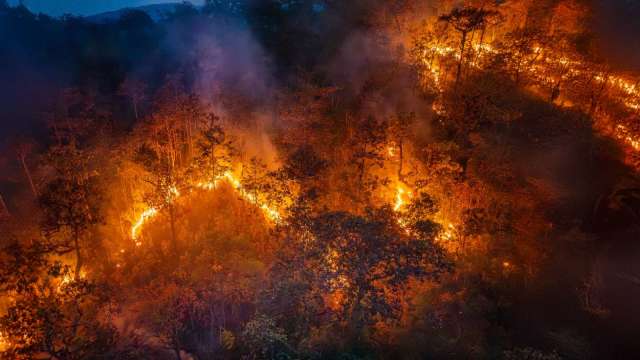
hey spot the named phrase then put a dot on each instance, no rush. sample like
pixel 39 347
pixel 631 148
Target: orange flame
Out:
pixel 270 212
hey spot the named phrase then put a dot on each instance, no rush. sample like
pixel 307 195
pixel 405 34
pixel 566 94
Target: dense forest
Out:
pixel 300 179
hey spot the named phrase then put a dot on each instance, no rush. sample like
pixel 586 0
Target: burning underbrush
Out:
pixel 343 197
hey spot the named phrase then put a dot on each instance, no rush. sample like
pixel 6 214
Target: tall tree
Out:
pixel 70 202
pixel 361 260
pixel 23 149
pixel 466 20
pixel 215 151
pixel 135 90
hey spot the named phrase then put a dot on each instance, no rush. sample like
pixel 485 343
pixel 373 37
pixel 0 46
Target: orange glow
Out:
pixel 448 233
pixel 623 133
pixel 626 91
pixel 391 151
pixel 401 198
pixel 4 342
pixel 270 212
pixel 143 218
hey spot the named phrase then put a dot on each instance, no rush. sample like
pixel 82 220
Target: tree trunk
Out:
pixel 135 109
pixel 76 243
pixel 401 165
pixel 4 210
pixel 463 42
pixel 596 95
pixel 174 237
pixel 28 175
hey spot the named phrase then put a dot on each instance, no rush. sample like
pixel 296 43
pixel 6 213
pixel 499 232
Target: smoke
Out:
pixel 231 74
pixel 370 67
pixel 617 24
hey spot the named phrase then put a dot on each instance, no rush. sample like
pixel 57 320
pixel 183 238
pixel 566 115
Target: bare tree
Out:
pixel 135 90
pixel 23 149
pixel 4 210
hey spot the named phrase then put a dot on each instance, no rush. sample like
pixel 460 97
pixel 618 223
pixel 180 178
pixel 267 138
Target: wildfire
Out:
pixel 623 133
pixel 4 342
pixel 270 212
pixel 143 218
pixel 401 195
pixel 628 91
pixel 448 233
pixel 67 279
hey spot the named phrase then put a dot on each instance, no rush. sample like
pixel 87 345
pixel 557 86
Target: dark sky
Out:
pixel 87 7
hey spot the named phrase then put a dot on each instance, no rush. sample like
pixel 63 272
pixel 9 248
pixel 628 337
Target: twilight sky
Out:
pixel 87 7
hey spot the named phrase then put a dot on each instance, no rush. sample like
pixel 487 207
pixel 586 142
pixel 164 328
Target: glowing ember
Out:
pixel 448 233
pixel 623 133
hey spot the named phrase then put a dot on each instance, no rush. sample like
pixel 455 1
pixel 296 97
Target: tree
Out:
pixel 224 7
pixel 215 152
pixel 135 90
pixel 254 178
pixel 399 132
pixel 49 315
pixel 521 49
pixel 4 210
pixel 559 66
pixel 368 148
pixel 466 20
pixel 70 202
pixel 360 260
pixel 304 166
pixel 169 313
pixel 166 182
pixel 23 149
pixel 263 339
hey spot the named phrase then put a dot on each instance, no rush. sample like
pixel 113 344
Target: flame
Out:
pixel 67 279
pixel 399 199
pixel 402 195
pixel 391 151
pixel 628 91
pixel 624 134
pixel 143 218
pixel 270 212
pixel 448 233
pixel 5 344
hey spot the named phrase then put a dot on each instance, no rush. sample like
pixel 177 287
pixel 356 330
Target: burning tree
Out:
pixel 466 20
pixel 216 151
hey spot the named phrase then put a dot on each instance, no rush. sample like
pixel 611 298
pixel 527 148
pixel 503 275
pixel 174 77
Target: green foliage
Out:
pixel 263 339
pixel 361 259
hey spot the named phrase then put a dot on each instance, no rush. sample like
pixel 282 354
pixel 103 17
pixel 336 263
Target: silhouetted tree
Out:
pixel 70 202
